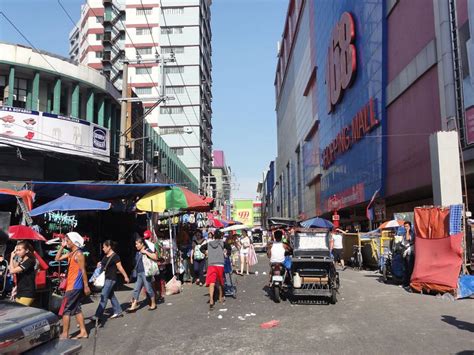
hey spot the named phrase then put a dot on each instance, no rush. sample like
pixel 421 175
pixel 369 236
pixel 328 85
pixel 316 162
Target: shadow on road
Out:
pixel 460 324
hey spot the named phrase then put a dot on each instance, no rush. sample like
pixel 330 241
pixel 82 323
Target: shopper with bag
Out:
pixel 107 280
pixel 198 259
pixel 145 269
pixel 244 246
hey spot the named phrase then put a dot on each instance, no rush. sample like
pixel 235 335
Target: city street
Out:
pixel 370 317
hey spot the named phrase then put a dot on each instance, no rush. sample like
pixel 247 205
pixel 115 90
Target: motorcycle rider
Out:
pixel 278 250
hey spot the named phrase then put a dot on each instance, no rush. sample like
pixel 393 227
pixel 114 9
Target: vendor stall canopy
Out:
pixel 92 190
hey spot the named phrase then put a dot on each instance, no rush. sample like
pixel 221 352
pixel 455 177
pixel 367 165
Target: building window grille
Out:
pixel 170 90
pixel 171 30
pixel 99 36
pixel 168 50
pixel 174 70
pixel 171 130
pixel 143 31
pixel 173 10
pixel 99 54
pixel 143 90
pixel 144 51
pixel 144 70
pixel 171 110
pixel 99 19
pixel 144 10
pixel 178 151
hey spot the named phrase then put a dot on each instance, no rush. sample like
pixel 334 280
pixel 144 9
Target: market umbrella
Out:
pixel 317 222
pixel 24 233
pixel 174 198
pixel 394 223
pixel 235 227
pixel 70 203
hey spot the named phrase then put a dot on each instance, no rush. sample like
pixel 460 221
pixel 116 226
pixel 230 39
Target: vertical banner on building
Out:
pixel 469 125
pixel 243 212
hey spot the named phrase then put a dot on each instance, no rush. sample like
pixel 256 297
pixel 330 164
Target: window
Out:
pixel 99 54
pixel 143 90
pixel 143 31
pixel 3 81
pixel 143 50
pixel 144 11
pixel 171 30
pixel 174 70
pixel 171 130
pixel 99 36
pixel 171 110
pixel 178 151
pixel 144 70
pixel 168 50
pixel 170 90
pixel 173 10
pixel 99 19
pixel 19 92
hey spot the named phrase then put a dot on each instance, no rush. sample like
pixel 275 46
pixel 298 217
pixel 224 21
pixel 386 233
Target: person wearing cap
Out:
pixel 76 283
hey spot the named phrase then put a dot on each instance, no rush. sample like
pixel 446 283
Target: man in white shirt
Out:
pixel 337 248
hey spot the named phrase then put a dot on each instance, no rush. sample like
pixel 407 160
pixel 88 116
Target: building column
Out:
pixel 75 101
pixel 107 113
pixel 11 86
pixel 49 104
pixel 35 92
pixel 57 96
pixel 90 106
pixel 101 111
pixel 113 128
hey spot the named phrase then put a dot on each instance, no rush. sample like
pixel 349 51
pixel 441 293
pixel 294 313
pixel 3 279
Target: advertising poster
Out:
pixel 243 212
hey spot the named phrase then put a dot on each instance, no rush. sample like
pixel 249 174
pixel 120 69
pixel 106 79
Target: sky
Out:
pixel 244 44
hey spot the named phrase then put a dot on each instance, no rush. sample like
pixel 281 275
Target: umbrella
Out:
pixel 394 223
pixel 70 203
pixel 174 198
pixel 317 222
pixel 24 233
pixel 235 227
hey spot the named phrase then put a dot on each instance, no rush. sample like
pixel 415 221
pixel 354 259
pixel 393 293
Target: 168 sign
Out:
pixel 341 61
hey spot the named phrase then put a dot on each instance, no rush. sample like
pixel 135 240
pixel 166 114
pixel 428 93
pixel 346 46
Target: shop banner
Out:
pixel 243 212
pixel 349 197
pixel 469 125
pixel 50 132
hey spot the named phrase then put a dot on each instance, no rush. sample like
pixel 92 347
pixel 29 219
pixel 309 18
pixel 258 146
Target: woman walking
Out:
pixel 244 244
pixel 110 265
pixel 198 259
pixel 142 279
pixel 24 268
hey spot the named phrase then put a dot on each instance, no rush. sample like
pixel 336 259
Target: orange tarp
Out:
pixel 431 222
pixel 26 195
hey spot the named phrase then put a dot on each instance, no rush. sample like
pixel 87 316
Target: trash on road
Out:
pixel 169 304
pixel 256 273
pixel 264 273
pixel 223 310
pixel 219 316
pixel 241 318
pixel 252 314
pixel 271 324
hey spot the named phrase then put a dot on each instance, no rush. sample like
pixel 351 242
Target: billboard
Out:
pixel 243 212
pixel 50 132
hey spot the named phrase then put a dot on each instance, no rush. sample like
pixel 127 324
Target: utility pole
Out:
pixel 123 123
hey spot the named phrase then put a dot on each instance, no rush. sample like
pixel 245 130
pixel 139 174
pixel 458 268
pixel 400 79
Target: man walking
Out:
pixel 215 269
pixel 338 248
pixel 76 286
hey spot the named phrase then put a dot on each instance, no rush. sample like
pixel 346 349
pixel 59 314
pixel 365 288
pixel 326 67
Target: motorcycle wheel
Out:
pixel 333 299
pixel 276 294
pixel 384 274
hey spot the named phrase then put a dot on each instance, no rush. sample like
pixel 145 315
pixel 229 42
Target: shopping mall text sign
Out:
pixel 341 60
pixel 362 123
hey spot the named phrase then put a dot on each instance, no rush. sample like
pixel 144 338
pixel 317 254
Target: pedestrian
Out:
pixel 409 253
pixel 244 246
pixel 76 283
pixel 337 248
pixel 215 270
pixel 23 266
pixel 110 264
pixel 198 259
pixel 142 279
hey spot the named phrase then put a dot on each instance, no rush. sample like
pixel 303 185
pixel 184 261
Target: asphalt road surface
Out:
pixel 369 318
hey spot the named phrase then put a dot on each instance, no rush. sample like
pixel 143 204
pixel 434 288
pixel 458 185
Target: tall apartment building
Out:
pixel 110 31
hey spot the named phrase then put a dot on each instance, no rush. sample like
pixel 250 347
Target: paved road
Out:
pixel 370 318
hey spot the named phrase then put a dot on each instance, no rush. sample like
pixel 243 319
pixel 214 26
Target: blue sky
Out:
pixel 245 33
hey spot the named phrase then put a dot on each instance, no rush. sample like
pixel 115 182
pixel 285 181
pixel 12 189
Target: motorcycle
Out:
pixel 278 280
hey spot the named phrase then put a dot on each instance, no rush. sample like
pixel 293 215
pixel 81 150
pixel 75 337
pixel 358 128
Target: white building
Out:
pixel 113 30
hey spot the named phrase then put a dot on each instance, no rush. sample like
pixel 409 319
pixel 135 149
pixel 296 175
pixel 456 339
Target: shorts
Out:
pixel 71 304
pixel 215 274
pixel 337 253
pixel 25 301
pixel 244 252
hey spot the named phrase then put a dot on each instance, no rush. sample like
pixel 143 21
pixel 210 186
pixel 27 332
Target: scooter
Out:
pixel 278 280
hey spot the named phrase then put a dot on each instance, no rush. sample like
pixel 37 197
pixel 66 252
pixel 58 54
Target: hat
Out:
pixel 147 234
pixel 76 239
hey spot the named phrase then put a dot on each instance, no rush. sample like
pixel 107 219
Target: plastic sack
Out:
pixel 253 260
pixel 465 286
pixel 287 263
pixel 150 266
pixel 173 287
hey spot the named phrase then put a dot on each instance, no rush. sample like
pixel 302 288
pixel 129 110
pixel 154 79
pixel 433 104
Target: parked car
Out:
pixel 258 239
pixel 27 328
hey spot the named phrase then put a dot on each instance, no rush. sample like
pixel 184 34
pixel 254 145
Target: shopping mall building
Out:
pixel 360 86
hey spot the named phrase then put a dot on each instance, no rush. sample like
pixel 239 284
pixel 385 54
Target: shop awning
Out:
pixel 92 190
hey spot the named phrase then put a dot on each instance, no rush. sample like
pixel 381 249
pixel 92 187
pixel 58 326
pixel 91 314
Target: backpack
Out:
pixel 198 254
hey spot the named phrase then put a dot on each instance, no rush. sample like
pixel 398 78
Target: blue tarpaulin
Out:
pixel 96 191
pixel 466 286
pixel 70 203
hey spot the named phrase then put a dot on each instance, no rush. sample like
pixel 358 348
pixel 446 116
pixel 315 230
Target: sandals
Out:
pixel 131 310
pixel 152 308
